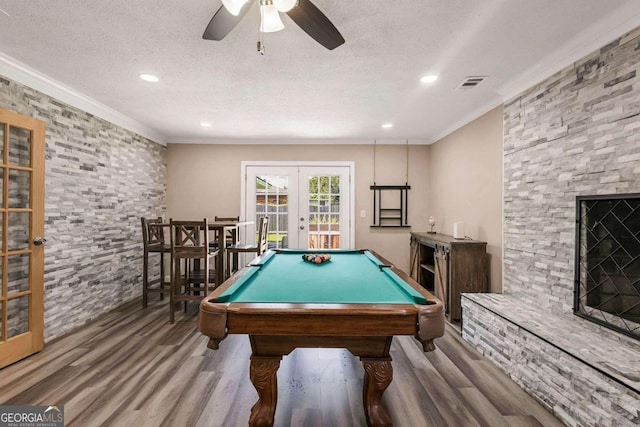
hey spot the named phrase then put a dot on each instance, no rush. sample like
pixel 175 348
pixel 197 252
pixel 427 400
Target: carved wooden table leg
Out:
pixel 262 373
pixel 378 374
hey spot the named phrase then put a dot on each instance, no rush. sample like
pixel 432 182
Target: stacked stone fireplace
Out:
pixel 575 134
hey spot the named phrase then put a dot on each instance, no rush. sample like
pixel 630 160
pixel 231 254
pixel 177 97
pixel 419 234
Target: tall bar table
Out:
pixel 221 228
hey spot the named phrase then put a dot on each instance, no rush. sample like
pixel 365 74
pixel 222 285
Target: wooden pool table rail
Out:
pixel 217 319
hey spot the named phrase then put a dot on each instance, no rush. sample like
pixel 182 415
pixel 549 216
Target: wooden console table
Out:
pixel 448 267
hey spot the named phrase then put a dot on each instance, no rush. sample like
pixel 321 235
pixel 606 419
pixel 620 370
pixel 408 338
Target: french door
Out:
pixel 21 231
pixel 309 205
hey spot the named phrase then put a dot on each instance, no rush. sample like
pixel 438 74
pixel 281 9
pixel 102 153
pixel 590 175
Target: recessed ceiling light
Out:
pixel 387 126
pixel 149 78
pixel 205 124
pixel 429 78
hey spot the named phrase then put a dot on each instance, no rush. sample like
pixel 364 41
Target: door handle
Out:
pixel 39 241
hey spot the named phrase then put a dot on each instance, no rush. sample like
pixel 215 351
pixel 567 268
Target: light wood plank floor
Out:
pixel 131 368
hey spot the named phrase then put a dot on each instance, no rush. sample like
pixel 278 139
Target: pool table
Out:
pixel 356 301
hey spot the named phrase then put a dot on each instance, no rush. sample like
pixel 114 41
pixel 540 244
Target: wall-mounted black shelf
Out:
pixel 390 216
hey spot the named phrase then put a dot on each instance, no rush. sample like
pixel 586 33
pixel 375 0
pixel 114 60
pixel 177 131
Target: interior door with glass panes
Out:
pixel 21 231
pixel 307 206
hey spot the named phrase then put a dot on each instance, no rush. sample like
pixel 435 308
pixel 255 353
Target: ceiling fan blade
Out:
pixel 316 24
pixel 223 22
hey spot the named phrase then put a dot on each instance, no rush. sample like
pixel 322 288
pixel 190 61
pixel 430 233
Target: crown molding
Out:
pixel 621 21
pixel 298 141
pixel 23 74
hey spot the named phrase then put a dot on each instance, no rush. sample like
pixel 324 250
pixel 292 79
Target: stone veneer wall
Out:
pixel 575 133
pixel 99 180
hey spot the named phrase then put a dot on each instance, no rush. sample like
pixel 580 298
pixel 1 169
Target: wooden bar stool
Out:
pixel 192 277
pixel 261 246
pixel 153 241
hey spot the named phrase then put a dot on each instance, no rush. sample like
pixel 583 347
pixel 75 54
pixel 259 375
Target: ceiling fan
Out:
pixel 302 12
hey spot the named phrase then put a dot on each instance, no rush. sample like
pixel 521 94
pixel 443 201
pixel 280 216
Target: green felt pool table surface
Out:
pixel 349 277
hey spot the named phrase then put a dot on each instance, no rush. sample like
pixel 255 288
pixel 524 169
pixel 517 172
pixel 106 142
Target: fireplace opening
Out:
pixel 607 265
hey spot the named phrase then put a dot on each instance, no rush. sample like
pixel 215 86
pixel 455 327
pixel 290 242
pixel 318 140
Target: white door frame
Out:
pixel 351 165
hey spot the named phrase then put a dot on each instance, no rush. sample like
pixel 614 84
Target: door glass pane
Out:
pixel 19 146
pixel 18 232
pixel 19 188
pixel 2 132
pixel 1 278
pixel 17 316
pixel 324 208
pixel 1 320
pixel 1 185
pixel 17 273
pixel 272 199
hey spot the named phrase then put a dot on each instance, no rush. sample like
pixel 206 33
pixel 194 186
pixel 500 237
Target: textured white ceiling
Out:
pixel 299 90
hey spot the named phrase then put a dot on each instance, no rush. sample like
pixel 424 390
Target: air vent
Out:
pixel 471 82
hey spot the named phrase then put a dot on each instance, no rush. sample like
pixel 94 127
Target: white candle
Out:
pixel 458 230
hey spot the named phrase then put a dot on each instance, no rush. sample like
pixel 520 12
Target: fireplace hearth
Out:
pixel 607 266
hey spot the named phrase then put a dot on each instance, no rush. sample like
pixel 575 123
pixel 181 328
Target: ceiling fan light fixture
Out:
pixel 233 6
pixel 269 18
pixel 285 6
